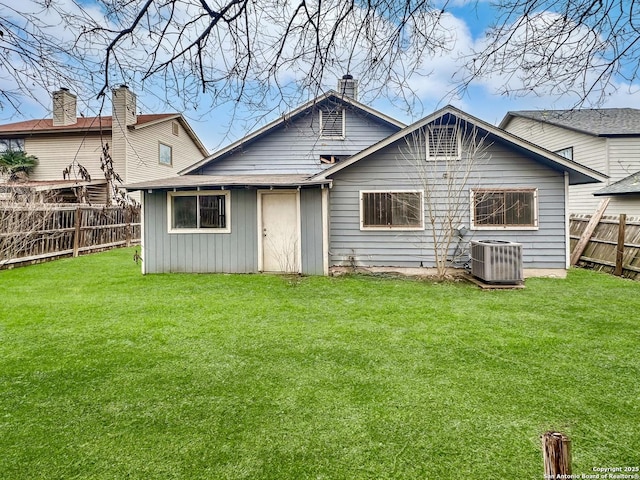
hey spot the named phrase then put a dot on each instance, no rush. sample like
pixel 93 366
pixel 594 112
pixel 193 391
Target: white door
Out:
pixel 279 230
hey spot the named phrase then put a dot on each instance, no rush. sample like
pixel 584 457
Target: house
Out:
pixel 607 140
pixel 142 146
pixel 336 185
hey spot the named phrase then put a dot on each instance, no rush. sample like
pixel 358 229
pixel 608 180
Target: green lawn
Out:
pixel 106 374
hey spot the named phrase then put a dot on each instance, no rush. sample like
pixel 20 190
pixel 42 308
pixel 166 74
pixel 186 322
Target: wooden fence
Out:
pixel 613 246
pixel 41 232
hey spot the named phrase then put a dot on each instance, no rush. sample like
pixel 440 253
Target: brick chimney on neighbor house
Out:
pixel 348 87
pixel 64 108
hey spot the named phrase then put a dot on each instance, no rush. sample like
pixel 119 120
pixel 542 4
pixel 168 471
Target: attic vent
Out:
pixel 443 142
pixel 332 123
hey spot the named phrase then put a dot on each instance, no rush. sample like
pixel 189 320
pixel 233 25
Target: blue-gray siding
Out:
pixel 235 252
pixel 496 166
pixel 311 231
pixel 296 146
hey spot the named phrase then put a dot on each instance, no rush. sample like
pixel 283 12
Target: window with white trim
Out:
pixel 165 154
pixel 515 209
pixel 443 142
pixel 332 123
pixel 398 210
pixel 199 212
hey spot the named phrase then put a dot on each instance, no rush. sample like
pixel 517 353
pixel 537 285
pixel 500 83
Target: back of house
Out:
pixel 336 185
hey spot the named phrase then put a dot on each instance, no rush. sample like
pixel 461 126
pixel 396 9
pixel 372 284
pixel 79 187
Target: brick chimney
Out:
pixel 348 87
pixel 64 108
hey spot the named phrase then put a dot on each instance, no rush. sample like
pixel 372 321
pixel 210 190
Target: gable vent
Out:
pixel 332 123
pixel 443 142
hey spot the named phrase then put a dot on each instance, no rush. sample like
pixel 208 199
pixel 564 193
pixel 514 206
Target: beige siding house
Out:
pixel 606 140
pixel 142 146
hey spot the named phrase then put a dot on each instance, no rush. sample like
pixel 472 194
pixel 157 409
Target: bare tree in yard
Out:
pixel 445 159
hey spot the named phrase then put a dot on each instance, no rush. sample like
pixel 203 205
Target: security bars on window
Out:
pixel 198 212
pixel 391 209
pixel 505 208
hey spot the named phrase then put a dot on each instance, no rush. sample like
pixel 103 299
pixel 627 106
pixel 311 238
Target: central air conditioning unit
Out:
pixel 497 261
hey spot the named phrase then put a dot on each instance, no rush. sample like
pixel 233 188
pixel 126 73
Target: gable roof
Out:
pixel 261 132
pixel 601 122
pixel 94 124
pixel 627 186
pixel 578 174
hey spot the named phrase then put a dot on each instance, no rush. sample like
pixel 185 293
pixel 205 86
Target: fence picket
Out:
pixel 611 248
pixel 68 231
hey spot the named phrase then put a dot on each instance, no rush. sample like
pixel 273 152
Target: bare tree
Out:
pixel 584 49
pixel 233 51
pixel 256 53
pixel 33 56
pixel 445 160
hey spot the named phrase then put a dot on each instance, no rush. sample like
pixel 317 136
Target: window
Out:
pixel 332 123
pixel 165 155
pixel 566 153
pixel 401 210
pixel 201 212
pixel 443 142
pixel 11 144
pixel 502 208
pixel 175 128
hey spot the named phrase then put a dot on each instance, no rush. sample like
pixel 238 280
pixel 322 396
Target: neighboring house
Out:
pixel 142 146
pixel 606 140
pixel 275 202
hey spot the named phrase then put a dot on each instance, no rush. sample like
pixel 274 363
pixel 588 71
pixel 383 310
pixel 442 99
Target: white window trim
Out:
pixel 344 126
pixel 160 145
pixel 391 227
pixel 192 193
pixel 458 141
pixel 504 227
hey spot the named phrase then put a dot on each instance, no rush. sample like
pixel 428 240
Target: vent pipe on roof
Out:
pixel 65 106
pixel 348 87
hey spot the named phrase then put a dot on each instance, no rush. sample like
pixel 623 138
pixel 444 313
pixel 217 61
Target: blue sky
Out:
pixel 467 23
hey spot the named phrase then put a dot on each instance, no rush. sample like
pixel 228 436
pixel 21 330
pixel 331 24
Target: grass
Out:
pixel 108 374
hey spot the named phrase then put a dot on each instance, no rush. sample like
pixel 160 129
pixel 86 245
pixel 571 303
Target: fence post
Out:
pixel 620 250
pixel 556 453
pixel 76 238
pixel 127 228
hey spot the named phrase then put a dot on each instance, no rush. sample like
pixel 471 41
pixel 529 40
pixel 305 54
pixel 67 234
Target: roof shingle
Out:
pixel 600 122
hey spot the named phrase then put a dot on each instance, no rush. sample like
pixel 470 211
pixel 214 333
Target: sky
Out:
pixel 466 23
